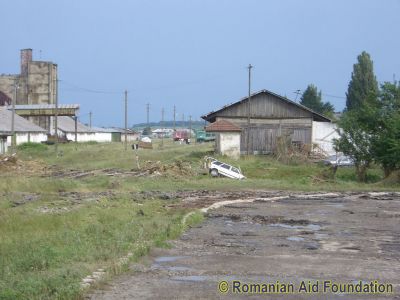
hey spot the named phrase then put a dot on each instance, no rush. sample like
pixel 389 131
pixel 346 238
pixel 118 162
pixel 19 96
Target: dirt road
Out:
pixel 347 238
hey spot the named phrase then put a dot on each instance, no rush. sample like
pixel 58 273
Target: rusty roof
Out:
pixel 223 126
pixel 4 99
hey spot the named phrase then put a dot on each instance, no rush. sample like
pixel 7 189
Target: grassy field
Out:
pixel 56 231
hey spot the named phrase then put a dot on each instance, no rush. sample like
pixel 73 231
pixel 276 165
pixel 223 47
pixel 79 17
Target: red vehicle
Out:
pixel 181 135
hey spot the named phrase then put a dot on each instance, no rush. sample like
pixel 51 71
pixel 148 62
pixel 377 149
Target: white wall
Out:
pixel 28 137
pixel 228 143
pixel 3 146
pixel 323 134
pixel 102 137
pixel 82 136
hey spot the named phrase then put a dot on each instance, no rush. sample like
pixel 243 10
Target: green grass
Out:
pixel 45 255
pixel 48 245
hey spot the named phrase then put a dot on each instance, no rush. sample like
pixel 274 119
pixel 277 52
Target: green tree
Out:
pixel 147 131
pixel 312 99
pixel 363 82
pixel 355 140
pixel 385 128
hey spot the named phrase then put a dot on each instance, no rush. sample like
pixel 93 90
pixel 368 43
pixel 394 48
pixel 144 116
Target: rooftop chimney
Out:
pixel 26 58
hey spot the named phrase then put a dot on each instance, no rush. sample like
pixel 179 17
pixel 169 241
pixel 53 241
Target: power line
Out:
pixel 87 90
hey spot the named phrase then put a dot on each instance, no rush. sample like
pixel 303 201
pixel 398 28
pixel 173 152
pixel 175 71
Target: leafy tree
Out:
pixel 312 99
pixel 147 131
pixel 363 82
pixel 355 140
pixel 385 128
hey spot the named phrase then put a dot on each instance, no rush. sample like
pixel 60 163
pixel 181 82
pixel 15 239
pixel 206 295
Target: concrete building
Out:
pixel 271 116
pixel 227 140
pixel 36 84
pixel 66 130
pixel 25 131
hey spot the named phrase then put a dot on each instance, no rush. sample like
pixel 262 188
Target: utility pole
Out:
pixel 148 112
pixel 76 129
pixel 249 111
pixel 174 116
pixel 13 137
pixel 126 120
pixel 190 127
pixel 90 119
pixel 297 92
pixel 162 127
pixel 56 117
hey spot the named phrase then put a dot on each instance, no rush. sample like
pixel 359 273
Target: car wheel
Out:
pixel 214 172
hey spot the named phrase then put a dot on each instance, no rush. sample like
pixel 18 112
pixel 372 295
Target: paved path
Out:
pixel 344 238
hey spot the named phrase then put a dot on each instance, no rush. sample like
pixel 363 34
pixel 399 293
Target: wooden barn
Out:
pixel 271 116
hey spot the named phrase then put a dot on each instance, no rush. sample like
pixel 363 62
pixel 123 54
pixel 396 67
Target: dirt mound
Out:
pixel 177 168
pixel 11 164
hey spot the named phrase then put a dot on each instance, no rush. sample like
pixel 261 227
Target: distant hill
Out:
pixel 170 124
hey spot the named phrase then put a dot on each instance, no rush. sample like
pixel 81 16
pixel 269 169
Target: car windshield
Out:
pixel 218 163
pixel 235 170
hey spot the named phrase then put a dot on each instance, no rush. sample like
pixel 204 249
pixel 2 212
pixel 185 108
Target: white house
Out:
pixel 227 140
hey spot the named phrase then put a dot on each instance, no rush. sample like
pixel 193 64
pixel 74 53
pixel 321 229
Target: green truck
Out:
pixel 203 136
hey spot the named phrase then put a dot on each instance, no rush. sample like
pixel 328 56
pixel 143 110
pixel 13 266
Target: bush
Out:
pixel 32 147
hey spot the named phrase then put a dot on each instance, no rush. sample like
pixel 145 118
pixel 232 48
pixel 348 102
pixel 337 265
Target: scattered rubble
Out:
pixel 150 169
pixel 11 163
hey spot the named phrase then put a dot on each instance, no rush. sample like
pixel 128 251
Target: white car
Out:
pixel 218 168
pixel 339 160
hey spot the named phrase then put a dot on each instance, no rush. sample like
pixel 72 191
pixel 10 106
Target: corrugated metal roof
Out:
pixel 67 124
pixel 223 126
pixel 44 106
pixel 318 116
pixel 20 124
pixel 101 129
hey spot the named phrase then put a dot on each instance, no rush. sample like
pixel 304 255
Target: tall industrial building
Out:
pixel 37 84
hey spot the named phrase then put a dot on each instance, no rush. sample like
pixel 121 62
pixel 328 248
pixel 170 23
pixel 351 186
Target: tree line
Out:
pixel 369 128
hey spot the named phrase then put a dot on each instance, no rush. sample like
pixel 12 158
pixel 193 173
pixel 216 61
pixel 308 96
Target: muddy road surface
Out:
pixel 298 238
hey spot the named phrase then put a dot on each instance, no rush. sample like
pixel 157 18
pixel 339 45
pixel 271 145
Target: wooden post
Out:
pixel 56 116
pixel 14 100
pixel 249 111
pixel 76 129
pixel 126 120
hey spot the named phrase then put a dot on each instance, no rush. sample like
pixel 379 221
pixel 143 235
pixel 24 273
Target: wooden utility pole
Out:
pixel 76 128
pixel 162 127
pixel 174 116
pixel 249 111
pixel 126 120
pixel 148 113
pixel 190 127
pixel 56 117
pixel 90 119
pixel 13 137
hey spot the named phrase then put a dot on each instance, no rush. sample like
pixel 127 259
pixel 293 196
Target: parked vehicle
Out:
pixel 339 160
pixel 203 136
pixel 217 168
pixel 181 135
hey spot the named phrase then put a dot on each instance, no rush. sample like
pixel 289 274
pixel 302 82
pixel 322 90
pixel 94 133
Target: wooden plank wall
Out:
pixel 265 106
pixel 263 139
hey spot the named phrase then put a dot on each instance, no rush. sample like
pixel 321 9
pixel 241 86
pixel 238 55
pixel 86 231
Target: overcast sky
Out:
pixel 194 54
